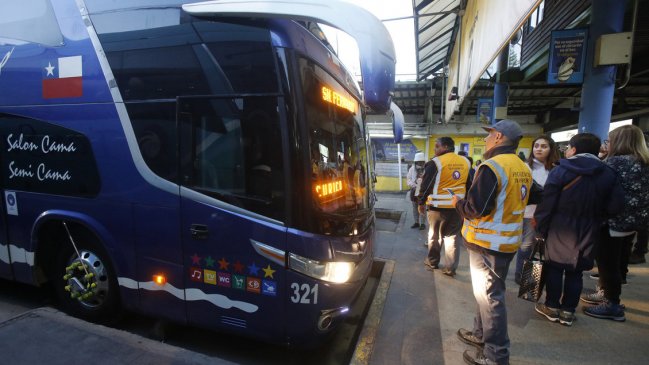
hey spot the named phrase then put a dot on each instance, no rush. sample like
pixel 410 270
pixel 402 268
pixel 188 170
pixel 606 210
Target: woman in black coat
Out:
pixel 578 197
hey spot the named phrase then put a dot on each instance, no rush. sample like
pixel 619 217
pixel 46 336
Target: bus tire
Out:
pixel 93 297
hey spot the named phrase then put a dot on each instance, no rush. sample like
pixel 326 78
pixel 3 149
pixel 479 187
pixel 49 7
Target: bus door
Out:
pixel 8 204
pixel 232 205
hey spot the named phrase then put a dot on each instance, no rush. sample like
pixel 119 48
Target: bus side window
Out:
pixel 235 147
pixel 155 131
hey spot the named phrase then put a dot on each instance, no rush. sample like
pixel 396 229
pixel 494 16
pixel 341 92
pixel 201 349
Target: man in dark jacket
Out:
pixel 579 195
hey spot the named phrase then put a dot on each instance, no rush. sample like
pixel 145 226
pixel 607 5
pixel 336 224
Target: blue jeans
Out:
pixel 488 274
pixel 525 249
pixel 562 287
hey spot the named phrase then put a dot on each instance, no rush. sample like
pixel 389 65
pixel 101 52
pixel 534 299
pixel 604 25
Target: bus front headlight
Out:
pixel 333 271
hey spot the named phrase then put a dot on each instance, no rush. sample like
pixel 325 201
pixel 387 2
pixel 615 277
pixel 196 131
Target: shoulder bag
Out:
pixel 532 279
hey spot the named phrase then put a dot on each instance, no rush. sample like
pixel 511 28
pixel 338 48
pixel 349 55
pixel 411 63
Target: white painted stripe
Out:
pixel 191 294
pixel 70 67
pixel 17 254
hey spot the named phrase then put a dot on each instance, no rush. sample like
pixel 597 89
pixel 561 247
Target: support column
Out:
pixel 501 89
pixel 597 92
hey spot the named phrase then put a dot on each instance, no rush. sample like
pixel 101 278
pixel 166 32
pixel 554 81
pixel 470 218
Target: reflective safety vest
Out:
pixel 502 229
pixel 452 173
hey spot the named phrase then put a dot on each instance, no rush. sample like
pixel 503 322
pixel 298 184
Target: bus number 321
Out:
pixel 302 293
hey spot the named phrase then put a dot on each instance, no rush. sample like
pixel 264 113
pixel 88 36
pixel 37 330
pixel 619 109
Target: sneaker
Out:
pixel 566 318
pixel 448 272
pixel 594 298
pixel 551 314
pixel 416 225
pixel 635 259
pixel 422 227
pixel 606 310
pixel 478 359
pixel 429 264
pixel 594 276
pixel 468 338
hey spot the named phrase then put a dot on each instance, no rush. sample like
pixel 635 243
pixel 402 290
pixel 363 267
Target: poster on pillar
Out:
pixel 485 110
pixel 567 56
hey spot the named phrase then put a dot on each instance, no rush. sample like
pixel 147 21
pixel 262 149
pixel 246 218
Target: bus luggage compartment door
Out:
pixel 235 271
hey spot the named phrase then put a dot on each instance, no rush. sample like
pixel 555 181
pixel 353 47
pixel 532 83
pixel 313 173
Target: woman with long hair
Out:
pixel 628 156
pixel 542 159
pixel 578 196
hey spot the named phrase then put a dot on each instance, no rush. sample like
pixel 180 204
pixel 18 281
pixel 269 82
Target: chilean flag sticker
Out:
pixel 63 78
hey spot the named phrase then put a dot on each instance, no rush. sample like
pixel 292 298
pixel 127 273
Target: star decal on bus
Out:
pixel 253 269
pixel 196 260
pixel 209 261
pixel 238 267
pixel 268 272
pixel 223 264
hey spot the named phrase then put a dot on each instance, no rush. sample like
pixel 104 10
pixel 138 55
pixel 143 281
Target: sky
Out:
pixel 402 32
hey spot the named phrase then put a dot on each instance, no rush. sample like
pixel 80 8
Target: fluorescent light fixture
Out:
pixel 565 136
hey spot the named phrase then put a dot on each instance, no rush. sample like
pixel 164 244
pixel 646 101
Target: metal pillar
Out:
pixel 399 163
pixel 501 89
pixel 599 82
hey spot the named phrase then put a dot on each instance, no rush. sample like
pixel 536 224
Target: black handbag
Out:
pixel 532 279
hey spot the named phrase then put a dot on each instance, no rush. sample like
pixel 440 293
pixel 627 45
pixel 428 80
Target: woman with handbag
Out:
pixel 542 159
pixel 579 194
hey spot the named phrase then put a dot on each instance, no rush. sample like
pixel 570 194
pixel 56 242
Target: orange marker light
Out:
pixel 159 279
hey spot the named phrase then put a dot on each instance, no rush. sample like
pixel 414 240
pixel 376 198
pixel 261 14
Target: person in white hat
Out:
pixel 413 179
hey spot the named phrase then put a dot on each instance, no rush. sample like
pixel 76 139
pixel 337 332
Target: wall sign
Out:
pixel 567 56
pixel 386 150
pixel 485 110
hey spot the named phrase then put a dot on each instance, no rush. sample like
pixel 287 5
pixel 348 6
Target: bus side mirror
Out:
pixel 397 122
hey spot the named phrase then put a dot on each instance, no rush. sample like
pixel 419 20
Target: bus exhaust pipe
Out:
pixel 327 317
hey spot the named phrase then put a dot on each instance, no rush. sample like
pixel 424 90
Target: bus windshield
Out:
pixel 338 151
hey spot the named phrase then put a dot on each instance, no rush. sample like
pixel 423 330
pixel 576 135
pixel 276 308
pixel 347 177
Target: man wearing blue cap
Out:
pixel 493 225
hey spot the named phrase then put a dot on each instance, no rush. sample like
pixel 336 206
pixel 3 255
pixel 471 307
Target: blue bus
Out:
pixel 203 163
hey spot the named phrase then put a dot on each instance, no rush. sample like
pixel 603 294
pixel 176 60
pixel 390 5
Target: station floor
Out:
pixel 424 309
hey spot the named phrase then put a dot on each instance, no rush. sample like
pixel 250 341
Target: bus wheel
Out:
pixel 86 285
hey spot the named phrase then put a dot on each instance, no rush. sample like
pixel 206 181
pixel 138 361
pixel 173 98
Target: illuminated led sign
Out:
pixel 336 99
pixel 329 190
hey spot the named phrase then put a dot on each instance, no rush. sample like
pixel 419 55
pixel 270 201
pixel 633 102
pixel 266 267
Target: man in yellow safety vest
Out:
pixel 447 174
pixel 493 224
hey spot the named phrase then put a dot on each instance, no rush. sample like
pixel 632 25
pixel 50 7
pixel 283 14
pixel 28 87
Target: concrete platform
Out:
pixel 424 309
pixel 47 336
